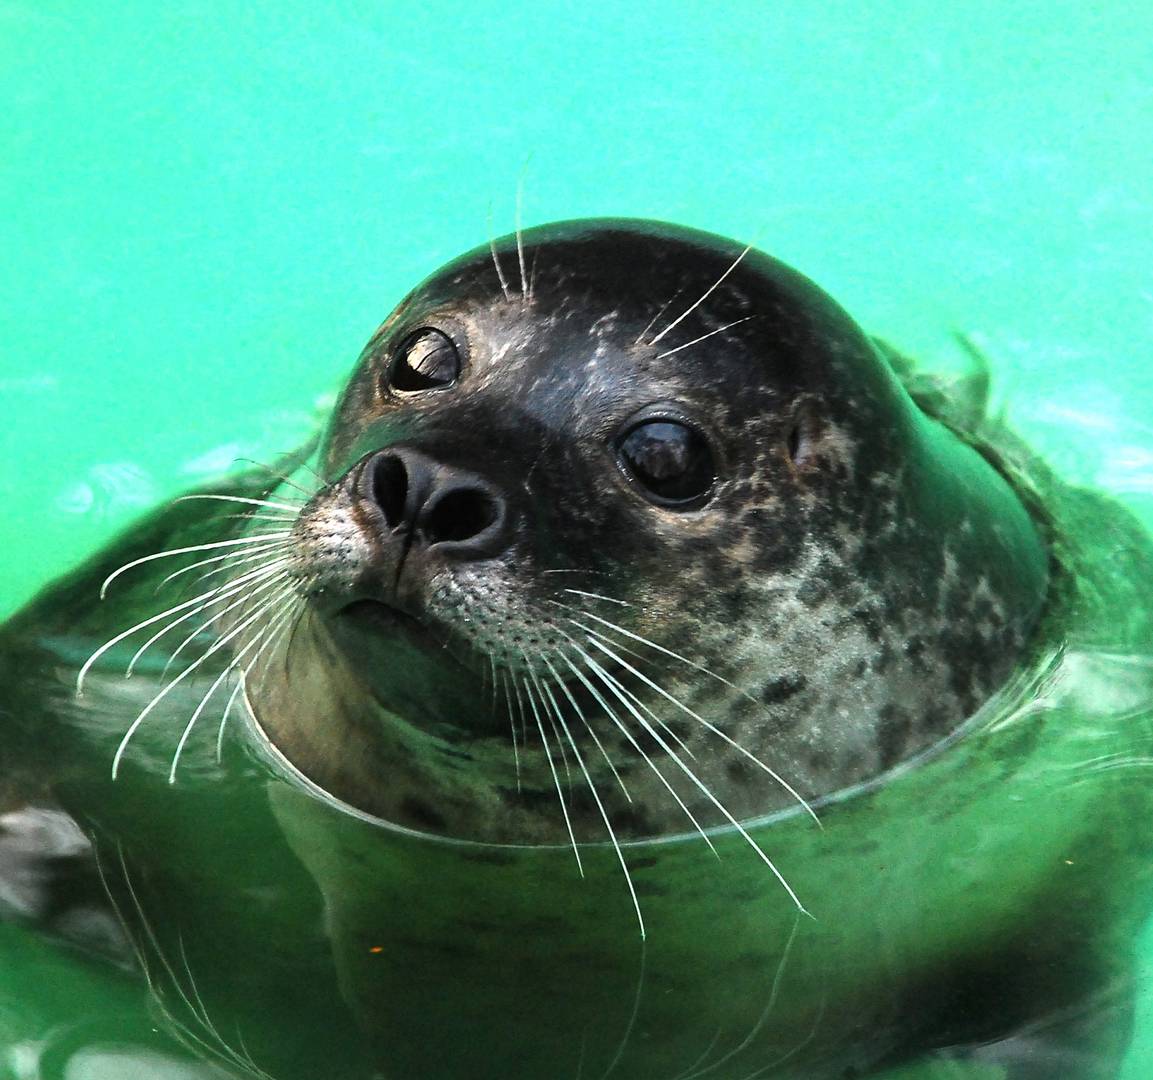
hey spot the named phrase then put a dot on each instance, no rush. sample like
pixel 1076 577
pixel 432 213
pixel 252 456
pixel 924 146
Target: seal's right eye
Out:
pixel 670 461
pixel 426 360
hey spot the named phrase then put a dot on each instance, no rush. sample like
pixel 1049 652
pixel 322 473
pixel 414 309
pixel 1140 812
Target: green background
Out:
pixel 205 208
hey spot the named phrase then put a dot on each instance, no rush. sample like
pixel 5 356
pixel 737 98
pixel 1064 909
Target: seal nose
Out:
pixel 453 512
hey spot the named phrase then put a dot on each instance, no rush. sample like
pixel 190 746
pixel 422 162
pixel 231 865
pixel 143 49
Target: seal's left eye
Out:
pixel 426 360
pixel 670 461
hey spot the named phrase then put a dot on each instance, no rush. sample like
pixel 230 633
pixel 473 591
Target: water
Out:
pixel 207 210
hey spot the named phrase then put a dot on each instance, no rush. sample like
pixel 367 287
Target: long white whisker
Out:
pixel 256 582
pixel 274 637
pixel 516 683
pixel 230 588
pixel 660 311
pixel 292 508
pixel 552 768
pixel 645 641
pixel 228 561
pixel 218 592
pixel 225 715
pixel 718 330
pixel 505 679
pixel 280 477
pixel 255 515
pixel 774 992
pixel 595 641
pixel 707 293
pixel 555 730
pixel 588 727
pixel 520 239
pixel 170 686
pixel 258 538
pixel 230 669
pixel 604 676
pixel 697 782
pixel 495 261
pixel 656 719
pixel 600 806
pixel 598 596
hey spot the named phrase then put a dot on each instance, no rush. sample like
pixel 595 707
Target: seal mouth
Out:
pixel 384 621
pixel 381 614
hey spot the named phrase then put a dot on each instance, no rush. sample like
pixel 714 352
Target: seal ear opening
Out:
pixel 800 434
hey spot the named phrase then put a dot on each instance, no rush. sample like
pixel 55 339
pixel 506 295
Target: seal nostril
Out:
pixel 460 515
pixel 390 489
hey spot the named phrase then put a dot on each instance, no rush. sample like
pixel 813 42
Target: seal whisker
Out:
pixel 711 333
pixel 214 594
pixel 655 717
pixel 266 576
pixel 276 474
pixel 604 676
pixel 506 679
pixel 518 685
pixel 777 1062
pixel 588 727
pixel 225 714
pixel 496 261
pixel 520 240
pixel 253 515
pixel 641 704
pixel 651 644
pixel 550 714
pixel 703 787
pixel 219 1050
pixel 233 667
pixel 291 619
pixel 612 654
pixel 552 769
pixel 598 596
pixel 697 1071
pixel 258 538
pixel 173 683
pixel 702 1057
pixel 291 508
pixel 227 589
pixel 660 311
pixel 228 561
pixel 532 275
pixel 600 806
pixel 704 296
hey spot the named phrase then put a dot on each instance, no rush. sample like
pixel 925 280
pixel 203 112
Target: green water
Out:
pixel 204 211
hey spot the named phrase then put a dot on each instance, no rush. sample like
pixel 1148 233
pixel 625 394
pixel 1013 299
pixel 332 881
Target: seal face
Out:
pixel 625 528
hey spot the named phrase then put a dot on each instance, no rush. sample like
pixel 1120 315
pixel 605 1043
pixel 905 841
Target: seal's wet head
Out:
pixel 624 527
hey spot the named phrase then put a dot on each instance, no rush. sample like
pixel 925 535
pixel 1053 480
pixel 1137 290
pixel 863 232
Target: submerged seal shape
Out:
pixel 633 630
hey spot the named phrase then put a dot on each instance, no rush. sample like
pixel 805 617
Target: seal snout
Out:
pixel 446 510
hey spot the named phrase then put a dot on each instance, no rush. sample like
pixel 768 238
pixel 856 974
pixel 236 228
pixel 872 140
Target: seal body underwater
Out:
pixel 648 675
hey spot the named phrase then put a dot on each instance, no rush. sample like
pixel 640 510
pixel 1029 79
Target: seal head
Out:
pixel 624 526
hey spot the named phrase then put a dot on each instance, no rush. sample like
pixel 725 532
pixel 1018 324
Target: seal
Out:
pixel 624 549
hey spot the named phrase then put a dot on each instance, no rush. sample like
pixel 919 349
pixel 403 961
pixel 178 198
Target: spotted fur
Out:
pixel 857 583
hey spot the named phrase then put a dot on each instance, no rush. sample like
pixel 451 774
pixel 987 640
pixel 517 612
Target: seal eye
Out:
pixel 669 460
pixel 426 360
